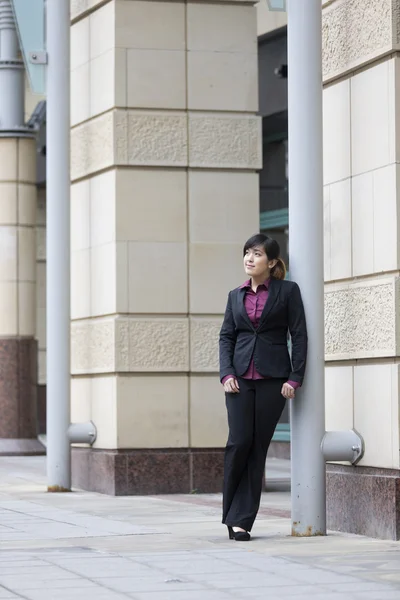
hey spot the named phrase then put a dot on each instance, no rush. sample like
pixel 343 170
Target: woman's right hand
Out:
pixel 231 386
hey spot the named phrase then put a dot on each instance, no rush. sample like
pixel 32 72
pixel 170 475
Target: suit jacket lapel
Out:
pixel 243 311
pixel 273 292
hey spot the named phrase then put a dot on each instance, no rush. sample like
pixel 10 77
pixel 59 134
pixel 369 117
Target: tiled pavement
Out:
pixel 82 545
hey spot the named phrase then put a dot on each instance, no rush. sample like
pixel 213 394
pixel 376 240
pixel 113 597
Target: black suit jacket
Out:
pixel 239 341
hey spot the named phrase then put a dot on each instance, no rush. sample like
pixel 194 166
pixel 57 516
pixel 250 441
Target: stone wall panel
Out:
pixel 121 344
pixel 360 320
pixel 225 141
pixel 355 32
pixel 204 335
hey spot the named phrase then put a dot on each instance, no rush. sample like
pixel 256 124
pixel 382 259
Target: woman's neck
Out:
pixel 256 281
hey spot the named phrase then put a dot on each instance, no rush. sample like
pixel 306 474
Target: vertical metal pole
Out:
pixel 58 246
pixel 12 83
pixel 306 259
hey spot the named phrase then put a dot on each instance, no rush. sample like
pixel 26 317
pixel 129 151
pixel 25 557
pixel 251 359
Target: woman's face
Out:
pixel 256 263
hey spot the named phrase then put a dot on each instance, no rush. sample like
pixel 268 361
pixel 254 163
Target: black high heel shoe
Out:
pixel 239 536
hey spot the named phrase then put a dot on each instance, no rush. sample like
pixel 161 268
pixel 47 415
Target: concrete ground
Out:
pixel 84 545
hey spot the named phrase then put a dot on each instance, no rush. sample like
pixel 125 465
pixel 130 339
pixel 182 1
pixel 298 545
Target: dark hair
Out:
pixel 271 249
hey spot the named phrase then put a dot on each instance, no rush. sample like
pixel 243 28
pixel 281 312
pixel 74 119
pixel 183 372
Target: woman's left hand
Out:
pixel 287 391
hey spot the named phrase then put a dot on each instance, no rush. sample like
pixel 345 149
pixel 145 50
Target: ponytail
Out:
pixel 279 270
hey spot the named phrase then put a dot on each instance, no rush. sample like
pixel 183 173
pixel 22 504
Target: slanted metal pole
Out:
pixel 306 259
pixel 58 246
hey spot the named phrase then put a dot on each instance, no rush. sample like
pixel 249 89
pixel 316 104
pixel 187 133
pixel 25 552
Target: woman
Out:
pixel 257 374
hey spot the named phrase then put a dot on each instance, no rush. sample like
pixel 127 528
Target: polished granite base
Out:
pixel 18 388
pixel 146 472
pixel 364 500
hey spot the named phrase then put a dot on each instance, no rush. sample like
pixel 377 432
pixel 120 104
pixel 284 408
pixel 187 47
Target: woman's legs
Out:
pixel 241 410
pixel 252 422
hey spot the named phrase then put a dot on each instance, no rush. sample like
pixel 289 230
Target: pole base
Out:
pixel 57 489
pixel 299 531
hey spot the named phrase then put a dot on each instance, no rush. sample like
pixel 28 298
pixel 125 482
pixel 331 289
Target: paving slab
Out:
pixel 81 544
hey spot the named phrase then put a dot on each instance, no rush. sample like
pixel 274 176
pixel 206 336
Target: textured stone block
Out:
pixel 92 146
pixel 93 346
pixel 225 141
pixel 204 335
pixel 129 345
pixel 355 32
pixel 129 138
pixel 151 138
pixel 152 345
pixel 157 138
pixel 362 320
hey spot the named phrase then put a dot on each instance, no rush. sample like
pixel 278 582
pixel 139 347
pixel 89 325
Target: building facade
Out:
pixel 179 146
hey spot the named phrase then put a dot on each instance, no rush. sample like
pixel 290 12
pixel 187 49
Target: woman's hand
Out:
pixel 287 391
pixel 231 386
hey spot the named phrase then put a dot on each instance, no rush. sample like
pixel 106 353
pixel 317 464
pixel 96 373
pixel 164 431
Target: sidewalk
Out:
pixel 87 546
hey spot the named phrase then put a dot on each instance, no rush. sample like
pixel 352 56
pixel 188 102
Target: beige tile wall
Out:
pixel 165 147
pixel 18 237
pixel 361 240
pixel 361 175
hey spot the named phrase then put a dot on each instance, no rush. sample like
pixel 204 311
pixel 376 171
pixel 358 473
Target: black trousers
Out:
pixel 253 415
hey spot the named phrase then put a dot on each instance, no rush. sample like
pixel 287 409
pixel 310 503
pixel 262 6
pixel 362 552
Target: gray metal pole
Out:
pixel 306 259
pixel 58 246
pixel 12 90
